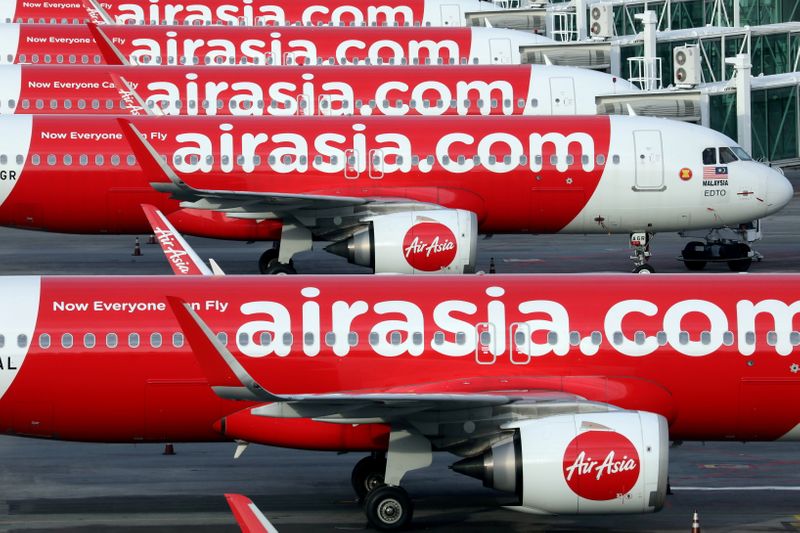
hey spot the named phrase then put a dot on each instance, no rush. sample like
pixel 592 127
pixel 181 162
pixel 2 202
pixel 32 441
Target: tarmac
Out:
pixel 64 487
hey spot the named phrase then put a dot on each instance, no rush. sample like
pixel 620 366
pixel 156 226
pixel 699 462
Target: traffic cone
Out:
pixel 151 239
pixel 695 523
pixel 491 266
pixel 169 449
pixel 137 249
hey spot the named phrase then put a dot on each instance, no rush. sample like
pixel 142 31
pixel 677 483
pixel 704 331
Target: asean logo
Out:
pixel 685 174
pixel 601 465
pixel 429 246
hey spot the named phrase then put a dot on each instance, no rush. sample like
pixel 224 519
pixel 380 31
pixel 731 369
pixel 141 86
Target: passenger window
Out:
pixel 22 340
pixel 99 160
pixel 727 338
pixel 66 340
pixel 89 340
pixel 661 337
pixel 330 338
pixel 519 338
pixel 395 338
pixel 155 340
pixel 552 338
pixel 750 338
pixel 705 337
pixel 111 340
pixel 710 156
pixel 35 159
pixel 617 338
pixel 374 338
pixel 639 337
pixel 615 159
pixel 177 339
pixel 44 341
pixel 438 338
pixel 51 159
pixel 2 341
pixel 287 339
pixel 726 156
pixel 597 338
pixel 244 339
pixel 772 338
pixel 133 340
pixel 461 338
pixel 265 338
pixel 223 338
pixel 83 160
pixel 683 337
pixel 308 338
pixel 67 159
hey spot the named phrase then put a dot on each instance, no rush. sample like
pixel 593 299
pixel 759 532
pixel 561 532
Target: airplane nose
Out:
pixel 779 191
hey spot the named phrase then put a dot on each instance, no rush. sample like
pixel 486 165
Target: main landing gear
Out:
pixel 736 252
pixel 295 238
pixel 640 242
pixel 376 479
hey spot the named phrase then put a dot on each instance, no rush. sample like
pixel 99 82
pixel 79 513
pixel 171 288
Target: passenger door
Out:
pixel 451 15
pixel 649 160
pixel 500 51
pixel 562 96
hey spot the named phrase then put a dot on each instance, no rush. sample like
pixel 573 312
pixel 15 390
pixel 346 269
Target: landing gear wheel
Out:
pixel 388 508
pixel 692 252
pixel 266 259
pixel 368 475
pixel 280 268
pixel 742 251
pixel 644 269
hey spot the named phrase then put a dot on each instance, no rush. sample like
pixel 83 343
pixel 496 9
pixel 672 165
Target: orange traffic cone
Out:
pixel 491 266
pixel 137 249
pixel 169 449
pixel 151 239
pixel 695 523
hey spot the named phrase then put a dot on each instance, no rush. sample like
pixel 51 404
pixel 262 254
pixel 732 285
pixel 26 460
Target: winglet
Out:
pixel 150 161
pixel 227 377
pixel 248 516
pixel 96 12
pixel 111 53
pixel 133 102
pixel 182 258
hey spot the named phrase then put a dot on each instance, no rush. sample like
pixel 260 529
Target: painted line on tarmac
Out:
pixel 761 487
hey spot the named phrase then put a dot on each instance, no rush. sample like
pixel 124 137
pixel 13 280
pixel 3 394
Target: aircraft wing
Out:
pixel 305 208
pixel 431 409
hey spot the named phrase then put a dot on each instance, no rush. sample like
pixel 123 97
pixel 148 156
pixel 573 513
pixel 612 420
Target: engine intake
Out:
pixel 413 242
pixel 613 462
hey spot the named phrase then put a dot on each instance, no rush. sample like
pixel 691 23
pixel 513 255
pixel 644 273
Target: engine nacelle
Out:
pixel 436 241
pixel 613 462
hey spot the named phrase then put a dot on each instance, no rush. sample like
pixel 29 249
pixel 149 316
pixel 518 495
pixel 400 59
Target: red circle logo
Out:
pixel 601 465
pixel 429 246
pixel 685 174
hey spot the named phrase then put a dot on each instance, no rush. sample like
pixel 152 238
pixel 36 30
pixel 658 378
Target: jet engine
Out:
pixel 433 241
pixel 612 462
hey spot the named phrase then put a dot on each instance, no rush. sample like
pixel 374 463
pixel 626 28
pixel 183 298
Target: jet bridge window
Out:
pixel 710 156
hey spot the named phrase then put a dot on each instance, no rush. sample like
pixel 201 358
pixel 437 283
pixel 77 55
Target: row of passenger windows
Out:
pixel 176 340
pixel 242 22
pixel 233 105
pixel 267 59
pixel 376 159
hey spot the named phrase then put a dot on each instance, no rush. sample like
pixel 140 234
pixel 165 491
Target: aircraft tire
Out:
pixel 276 268
pixel 367 475
pixel 738 250
pixel 388 508
pixel 266 260
pixel 644 269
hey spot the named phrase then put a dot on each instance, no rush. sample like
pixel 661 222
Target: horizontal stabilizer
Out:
pixel 182 258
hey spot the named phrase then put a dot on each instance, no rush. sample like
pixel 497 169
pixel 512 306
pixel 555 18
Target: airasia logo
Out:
pixel 429 246
pixel 601 465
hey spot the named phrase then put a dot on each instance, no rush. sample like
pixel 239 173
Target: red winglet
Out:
pixel 111 55
pixel 214 367
pixel 247 515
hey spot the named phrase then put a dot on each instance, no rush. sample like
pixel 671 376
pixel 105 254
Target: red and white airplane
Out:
pixel 564 401
pixel 292 90
pixel 119 44
pixel 397 194
pixel 251 12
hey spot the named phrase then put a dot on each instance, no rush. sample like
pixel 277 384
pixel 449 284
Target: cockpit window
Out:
pixel 710 156
pixel 726 155
pixel 741 154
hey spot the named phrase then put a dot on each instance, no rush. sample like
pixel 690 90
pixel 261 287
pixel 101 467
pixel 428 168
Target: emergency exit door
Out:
pixel 649 160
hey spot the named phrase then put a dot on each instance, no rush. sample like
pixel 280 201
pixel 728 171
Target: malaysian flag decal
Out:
pixel 715 172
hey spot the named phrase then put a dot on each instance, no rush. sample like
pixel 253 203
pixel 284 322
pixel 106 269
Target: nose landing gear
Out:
pixel 640 242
